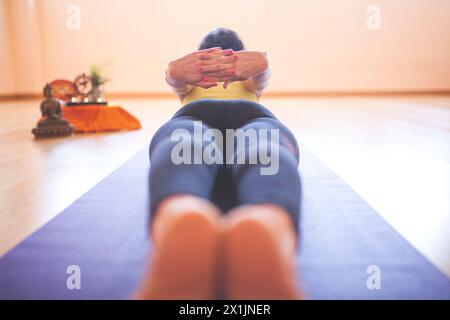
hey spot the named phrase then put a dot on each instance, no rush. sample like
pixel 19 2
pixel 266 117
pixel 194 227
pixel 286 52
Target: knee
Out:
pixel 183 146
pixel 279 160
pixel 177 128
pixel 285 137
pixel 160 151
pixel 268 156
pixel 287 159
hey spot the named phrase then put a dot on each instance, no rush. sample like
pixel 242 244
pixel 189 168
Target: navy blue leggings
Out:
pixel 232 183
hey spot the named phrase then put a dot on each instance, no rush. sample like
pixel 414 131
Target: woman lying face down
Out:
pixel 203 249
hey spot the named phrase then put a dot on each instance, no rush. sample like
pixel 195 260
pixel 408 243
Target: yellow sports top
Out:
pixel 235 90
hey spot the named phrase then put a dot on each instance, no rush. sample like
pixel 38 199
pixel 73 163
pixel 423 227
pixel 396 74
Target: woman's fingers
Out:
pixel 226 83
pixel 214 64
pixel 210 50
pixel 222 74
pixel 214 54
pixel 228 52
pixel 218 79
pixel 205 84
pixel 216 67
pixel 220 60
pixel 210 56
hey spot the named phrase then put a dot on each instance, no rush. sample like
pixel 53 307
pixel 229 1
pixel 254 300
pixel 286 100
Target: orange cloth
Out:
pixel 92 118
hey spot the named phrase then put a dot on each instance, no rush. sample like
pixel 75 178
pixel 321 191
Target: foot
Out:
pixel 259 248
pixel 185 234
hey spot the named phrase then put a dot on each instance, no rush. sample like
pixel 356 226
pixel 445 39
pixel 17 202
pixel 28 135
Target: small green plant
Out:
pixel 96 75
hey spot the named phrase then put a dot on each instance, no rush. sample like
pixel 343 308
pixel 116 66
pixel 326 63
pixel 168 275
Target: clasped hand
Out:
pixel 206 68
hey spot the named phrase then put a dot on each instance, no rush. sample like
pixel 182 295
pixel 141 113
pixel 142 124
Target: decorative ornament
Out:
pixel 64 90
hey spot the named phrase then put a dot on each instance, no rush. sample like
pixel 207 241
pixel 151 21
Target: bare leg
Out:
pixel 185 233
pixel 259 249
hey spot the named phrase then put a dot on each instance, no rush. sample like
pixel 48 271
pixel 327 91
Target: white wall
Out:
pixel 315 45
pixel 27 45
pixel 6 65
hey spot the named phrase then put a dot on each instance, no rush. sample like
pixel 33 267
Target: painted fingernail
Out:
pixel 206 79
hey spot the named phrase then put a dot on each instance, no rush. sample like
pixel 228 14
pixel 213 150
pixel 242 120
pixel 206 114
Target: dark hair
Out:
pixel 224 38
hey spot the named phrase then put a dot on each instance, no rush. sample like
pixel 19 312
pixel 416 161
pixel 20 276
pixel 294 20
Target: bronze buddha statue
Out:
pixel 52 122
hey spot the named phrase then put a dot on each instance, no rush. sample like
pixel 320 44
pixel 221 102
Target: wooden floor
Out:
pixel 393 151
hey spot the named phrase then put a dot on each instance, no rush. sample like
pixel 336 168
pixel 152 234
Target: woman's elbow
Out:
pixel 264 60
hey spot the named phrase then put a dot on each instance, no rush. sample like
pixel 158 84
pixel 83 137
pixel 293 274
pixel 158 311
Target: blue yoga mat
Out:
pixel 104 233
